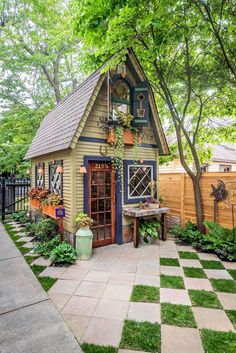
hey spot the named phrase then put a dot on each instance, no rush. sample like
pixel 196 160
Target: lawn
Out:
pixel 224 285
pixel 93 348
pixel 205 299
pixel 218 342
pixel 212 265
pixel 172 282
pixel 178 315
pixel 188 255
pixel 194 272
pixel 142 293
pixel 169 262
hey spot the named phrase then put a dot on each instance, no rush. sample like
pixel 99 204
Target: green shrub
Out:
pixel 149 228
pixel 20 216
pixel 188 234
pixel 44 229
pixel 64 253
pixel 45 248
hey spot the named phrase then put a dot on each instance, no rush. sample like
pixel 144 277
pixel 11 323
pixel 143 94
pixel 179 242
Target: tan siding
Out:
pixel 67 180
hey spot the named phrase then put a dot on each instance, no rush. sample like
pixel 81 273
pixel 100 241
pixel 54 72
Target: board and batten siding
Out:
pixel 66 157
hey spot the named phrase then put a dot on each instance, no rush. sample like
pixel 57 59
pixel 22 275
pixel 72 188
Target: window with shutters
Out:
pixel 120 97
pixel 55 178
pixel 137 177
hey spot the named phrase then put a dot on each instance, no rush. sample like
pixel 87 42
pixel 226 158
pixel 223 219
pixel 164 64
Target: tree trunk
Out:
pixel 198 204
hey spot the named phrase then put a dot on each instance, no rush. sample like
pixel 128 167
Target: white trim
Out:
pixel 128 178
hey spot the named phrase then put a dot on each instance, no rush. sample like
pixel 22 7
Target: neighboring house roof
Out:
pixel 224 154
pixel 59 127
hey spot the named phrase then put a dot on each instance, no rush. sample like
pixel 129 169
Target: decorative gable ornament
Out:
pixel 141 104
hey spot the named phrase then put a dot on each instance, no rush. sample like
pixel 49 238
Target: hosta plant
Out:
pixel 46 247
pixel 149 228
pixel 63 253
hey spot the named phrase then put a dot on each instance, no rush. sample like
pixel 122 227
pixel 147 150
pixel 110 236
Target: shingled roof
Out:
pixel 58 127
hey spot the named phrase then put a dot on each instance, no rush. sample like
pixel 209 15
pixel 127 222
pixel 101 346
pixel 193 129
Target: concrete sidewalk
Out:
pixel 29 321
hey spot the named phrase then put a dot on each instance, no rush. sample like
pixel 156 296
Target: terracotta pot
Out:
pixel 127 136
pixel 34 203
pixel 50 210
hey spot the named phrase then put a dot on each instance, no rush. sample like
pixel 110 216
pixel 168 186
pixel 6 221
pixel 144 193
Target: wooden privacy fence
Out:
pixel 177 192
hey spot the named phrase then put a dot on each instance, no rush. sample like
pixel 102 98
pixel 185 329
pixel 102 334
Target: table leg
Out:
pixel 136 232
pixel 163 231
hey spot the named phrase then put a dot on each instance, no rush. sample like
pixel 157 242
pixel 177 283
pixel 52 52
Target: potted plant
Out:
pixel 84 236
pixel 161 201
pixel 33 195
pixel 148 230
pixel 50 204
pixel 152 201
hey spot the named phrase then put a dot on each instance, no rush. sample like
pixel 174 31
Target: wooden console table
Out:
pixel 136 213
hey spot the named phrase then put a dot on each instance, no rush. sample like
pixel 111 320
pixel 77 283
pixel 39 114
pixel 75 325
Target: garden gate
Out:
pixel 13 195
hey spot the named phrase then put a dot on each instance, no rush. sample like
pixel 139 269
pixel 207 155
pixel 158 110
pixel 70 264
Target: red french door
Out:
pixel 101 183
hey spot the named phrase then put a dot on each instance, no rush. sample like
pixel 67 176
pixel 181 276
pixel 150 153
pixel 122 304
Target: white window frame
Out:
pixel 130 197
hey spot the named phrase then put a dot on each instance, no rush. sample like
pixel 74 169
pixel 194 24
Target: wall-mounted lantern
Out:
pixel 83 169
pixel 40 170
pixel 59 169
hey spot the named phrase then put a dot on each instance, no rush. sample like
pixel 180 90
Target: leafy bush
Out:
pixel 64 253
pixel 20 216
pixel 149 228
pixel 45 248
pixel 186 235
pixel 44 229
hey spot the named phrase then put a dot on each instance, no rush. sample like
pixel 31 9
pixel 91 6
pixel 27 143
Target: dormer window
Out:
pixel 120 98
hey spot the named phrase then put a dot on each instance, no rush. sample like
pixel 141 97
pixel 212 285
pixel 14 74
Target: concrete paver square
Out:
pixel 190 263
pixel 180 340
pixel 77 324
pixel 206 256
pixel 28 245
pixel 90 289
pixel 174 296
pixel 185 248
pixel 111 309
pixel 59 300
pixel 102 266
pixel 53 271
pixel 98 276
pixel 7 248
pixel 144 312
pixel 171 271
pixel 228 300
pixel 73 273
pixel 197 283
pixel 64 286
pixel 218 274
pixel 147 280
pixel 42 261
pixel 26 239
pixel 125 267
pixel 229 265
pixel 213 319
pixel 169 254
pixel 82 306
pixel 37 328
pixel 103 332
pixel 117 291
pixel 122 278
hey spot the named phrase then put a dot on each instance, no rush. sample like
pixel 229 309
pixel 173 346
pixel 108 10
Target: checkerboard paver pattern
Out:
pixel 94 296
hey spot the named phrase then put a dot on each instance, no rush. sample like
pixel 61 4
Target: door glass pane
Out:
pixel 101 233
pixel 108 177
pixel 108 217
pixel 101 218
pixel 94 206
pixel 108 205
pixel 107 232
pixel 101 205
pixel 93 191
pixel 108 190
pixel 101 191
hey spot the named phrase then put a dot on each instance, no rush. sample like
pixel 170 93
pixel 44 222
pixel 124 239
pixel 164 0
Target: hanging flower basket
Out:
pixel 50 210
pixel 34 203
pixel 128 137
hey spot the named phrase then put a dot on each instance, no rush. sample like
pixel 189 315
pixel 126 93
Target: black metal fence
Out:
pixel 13 195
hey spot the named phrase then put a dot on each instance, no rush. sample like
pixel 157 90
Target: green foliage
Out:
pixel 169 262
pixel 186 235
pixel 45 248
pixel 223 285
pixel 93 348
pixel 142 293
pixel 232 316
pixel 211 264
pixel 172 282
pixel 177 315
pixel 149 228
pixel 194 272
pixel 188 255
pixel 64 253
pixel 205 299
pixel 20 216
pixel 44 229
pixel 216 341
pixel 141 336
pixel 46 282
pixel 37 269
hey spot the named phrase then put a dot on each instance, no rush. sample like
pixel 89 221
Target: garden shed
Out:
pixel 99 148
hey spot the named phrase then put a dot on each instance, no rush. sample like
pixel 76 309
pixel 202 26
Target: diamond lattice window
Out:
pixel 139 177
pixel 55 179
pixel 39 176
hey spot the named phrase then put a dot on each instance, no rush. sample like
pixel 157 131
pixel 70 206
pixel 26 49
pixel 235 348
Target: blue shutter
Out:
pixel 141 104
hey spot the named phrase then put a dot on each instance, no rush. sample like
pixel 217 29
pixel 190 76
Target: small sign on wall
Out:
pixel 60 212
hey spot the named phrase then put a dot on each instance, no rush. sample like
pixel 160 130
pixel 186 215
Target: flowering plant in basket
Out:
pixel 83 220
pixel 53 200
pixel 43 194
pixel 34 193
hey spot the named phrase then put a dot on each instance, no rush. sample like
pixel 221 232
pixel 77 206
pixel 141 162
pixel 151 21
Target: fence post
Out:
pixel 182 197
pixel 3 198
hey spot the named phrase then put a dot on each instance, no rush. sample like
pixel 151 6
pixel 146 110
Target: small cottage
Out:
pixel 99 149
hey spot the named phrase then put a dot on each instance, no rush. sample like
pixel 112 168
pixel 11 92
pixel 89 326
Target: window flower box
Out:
pixel 34 203
pixel 128 137
pixel 50 210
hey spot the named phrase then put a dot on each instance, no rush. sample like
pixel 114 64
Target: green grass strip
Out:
pixel 142 293
pixel 169 262
pixel 232 274
pixel 188 255
pixel 37 269
pixel 93 348
pixel 194 272
pixel 204 299
pixel 177 315
pixel 212 265
pixel 224 285
pixel 218 342
pixel 47 282
pixel 141 336
pixel 232 316
pixel 172 282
